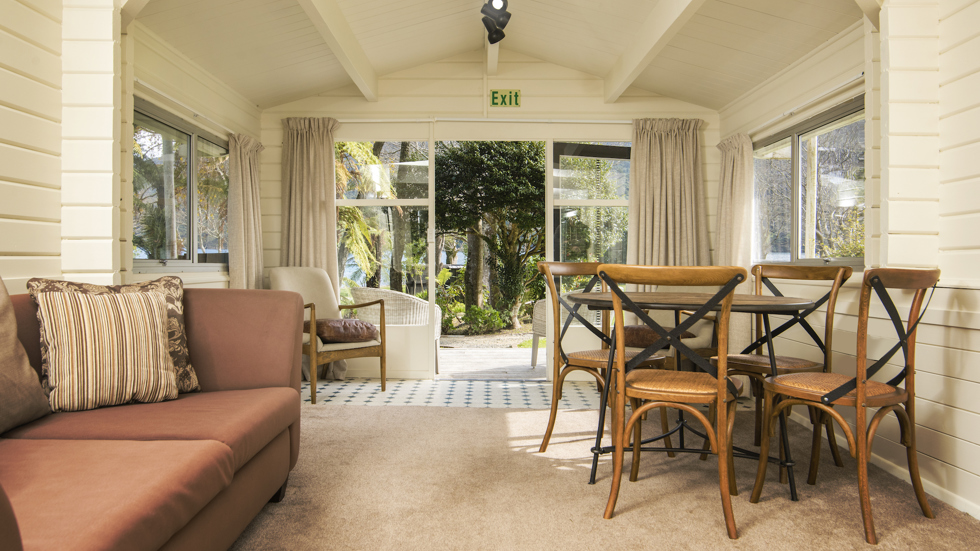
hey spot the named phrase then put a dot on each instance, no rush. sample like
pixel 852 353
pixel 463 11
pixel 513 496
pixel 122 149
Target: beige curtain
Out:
pixel 244 213
pixel 735 223
pixel 668 221
pixel 309 212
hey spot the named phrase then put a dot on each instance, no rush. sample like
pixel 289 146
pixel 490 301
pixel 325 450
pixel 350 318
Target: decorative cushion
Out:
pixel 343 330
pixel 105 349
pixel 21 398
pixel 171 287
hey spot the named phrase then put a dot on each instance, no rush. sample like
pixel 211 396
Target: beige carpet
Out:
pixel 465 478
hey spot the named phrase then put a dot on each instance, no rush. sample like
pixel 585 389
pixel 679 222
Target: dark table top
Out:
pixel 692 301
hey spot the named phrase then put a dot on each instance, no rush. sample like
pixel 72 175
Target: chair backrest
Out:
pixel 711 277
pixel 400 308
pixel 554 270
pixel 837 274
pixel 313 284
pixel 891 279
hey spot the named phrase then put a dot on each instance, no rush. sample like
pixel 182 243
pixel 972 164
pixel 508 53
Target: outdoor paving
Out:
pixel 490 364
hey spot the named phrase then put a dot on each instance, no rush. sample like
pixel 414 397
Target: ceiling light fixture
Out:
pixel 495 18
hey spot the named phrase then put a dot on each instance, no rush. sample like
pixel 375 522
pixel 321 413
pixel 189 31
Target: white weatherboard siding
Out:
pixel 949 338
pixel 30 140
pixel 456 88
pixel 157 72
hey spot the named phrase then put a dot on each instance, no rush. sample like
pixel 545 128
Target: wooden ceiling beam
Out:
pixel 871 9
pixel 665 20
pixel 130 9
pixel 493 57
pixel 336 32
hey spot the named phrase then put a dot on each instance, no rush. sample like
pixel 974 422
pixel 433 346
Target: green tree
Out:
pixel 495 190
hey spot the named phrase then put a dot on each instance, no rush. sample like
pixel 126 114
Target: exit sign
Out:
pixel 505 98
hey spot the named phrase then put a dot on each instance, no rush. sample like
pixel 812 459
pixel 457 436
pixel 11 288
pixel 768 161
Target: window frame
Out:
pixel 149 266
pixel 838 112
pixel 578 149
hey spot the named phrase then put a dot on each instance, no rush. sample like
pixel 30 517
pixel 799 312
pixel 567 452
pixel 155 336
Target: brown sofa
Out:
pixel 190 473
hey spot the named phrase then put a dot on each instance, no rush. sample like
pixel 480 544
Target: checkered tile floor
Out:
pixel 461 394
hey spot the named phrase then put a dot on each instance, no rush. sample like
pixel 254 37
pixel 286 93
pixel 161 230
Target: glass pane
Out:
pixel 161 227
pixel 590 234
pixel 212 202
pixel 592 171
pixel 382 247
pixel 773 202
pixel 832 190
pixel 382 170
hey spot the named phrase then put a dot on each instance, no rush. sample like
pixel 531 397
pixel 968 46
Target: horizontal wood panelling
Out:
pixel 27 237
pixel 27 59
pixel 30 25
pixel 29 131
pixel 30 96
pixel 27 202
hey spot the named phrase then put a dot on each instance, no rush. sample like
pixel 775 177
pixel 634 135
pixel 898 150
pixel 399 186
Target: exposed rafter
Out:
pixel 330 22
pixel 666 19
pixel 493 56
pixel 871 9
pixel 129 11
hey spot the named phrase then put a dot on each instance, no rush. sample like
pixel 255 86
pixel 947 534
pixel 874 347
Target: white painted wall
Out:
pixel 30 140
pixel 902 108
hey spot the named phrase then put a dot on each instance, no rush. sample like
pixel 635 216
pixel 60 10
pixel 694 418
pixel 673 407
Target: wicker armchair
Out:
pixel 400 309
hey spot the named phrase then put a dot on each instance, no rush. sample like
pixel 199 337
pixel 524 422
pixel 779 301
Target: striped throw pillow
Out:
pixel 106 350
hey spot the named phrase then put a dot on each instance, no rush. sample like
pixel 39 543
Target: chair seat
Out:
pixel 334 346
pixel 677 386
pixel 812 386
pixel 755 363
pixel 600 358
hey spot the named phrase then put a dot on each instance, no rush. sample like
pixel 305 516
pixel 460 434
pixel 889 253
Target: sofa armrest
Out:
pixel 241 339
pixel 9 532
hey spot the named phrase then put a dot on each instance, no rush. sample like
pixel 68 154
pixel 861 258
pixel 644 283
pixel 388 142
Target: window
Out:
pixel 180 194
pixel 382 215
pixel 591 203
pixel 809 190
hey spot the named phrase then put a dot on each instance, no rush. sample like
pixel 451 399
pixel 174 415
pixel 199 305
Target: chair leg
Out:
pixel 732 485
pixel 724 483
pixel 556 385
pixel 816 418
pixel 760 477
pixel 313 371
pixel 863 493
pixel 618 437
pixel 832 439
pixel 437 356
pixel 707 443
pixel 384 372
pixel 637 440
pixel 665 427
pixel 534 350
pixel 913 461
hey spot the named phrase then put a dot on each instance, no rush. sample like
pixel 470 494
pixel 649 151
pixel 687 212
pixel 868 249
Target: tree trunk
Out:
pixel 399 226
pixel 474 269
pixel 375 280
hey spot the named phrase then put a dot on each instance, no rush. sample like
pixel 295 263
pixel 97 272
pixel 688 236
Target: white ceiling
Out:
pixel 707 52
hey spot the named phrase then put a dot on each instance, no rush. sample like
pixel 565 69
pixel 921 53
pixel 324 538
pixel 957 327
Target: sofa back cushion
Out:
pixel 171 287
pixel 105 350
pixel 21 398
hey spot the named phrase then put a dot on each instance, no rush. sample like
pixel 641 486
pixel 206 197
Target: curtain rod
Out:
pixel 805 104
pixel 172 99
pixel 442 119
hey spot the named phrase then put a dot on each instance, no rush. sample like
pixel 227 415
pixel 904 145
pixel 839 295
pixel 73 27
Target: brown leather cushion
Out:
pixel 94 494
pixel 244 420
pixel 642 336
pixel 343 330
pixel 21 397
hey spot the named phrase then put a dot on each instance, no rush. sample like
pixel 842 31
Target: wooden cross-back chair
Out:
pixel 757 366
pixel 594 361
pixel 647 389
pixel 824 391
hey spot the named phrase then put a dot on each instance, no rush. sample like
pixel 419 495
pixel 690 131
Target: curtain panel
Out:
pixel 735 222
pixel 668 218
pixel 244 213
pixel 309 206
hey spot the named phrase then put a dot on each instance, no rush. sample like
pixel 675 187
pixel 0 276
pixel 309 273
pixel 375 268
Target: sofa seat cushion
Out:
pixel 118 494
pixel 244 420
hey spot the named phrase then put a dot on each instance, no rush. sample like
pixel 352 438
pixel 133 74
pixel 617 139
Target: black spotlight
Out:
pixel 495 19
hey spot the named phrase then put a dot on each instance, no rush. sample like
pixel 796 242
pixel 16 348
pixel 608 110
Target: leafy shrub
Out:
pixel 482 320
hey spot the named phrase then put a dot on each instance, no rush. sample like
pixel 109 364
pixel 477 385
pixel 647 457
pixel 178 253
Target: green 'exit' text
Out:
pixel 505 98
